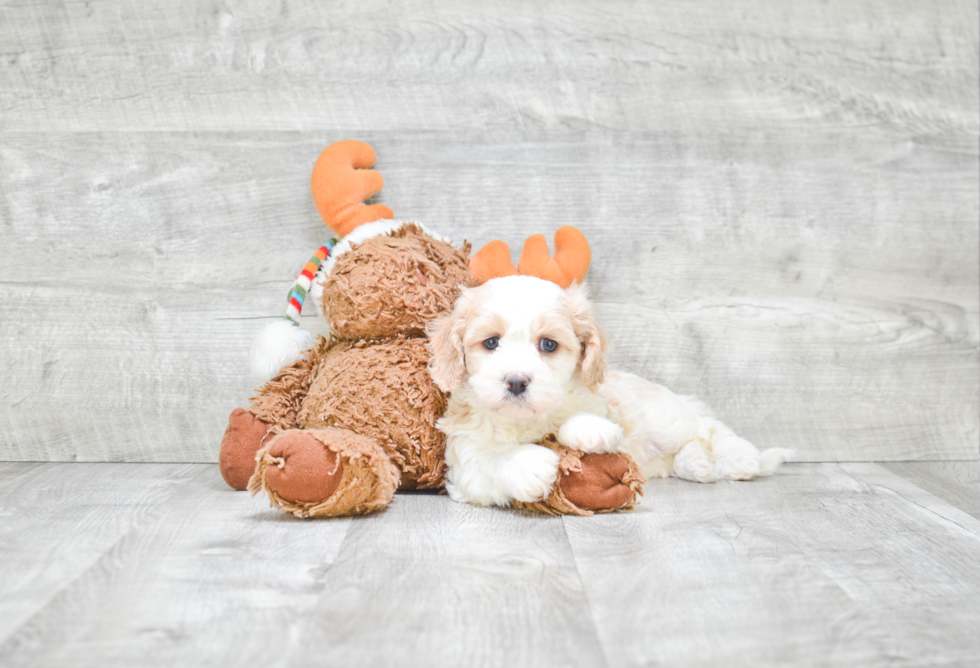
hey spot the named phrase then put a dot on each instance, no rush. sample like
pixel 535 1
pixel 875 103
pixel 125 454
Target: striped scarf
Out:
pixel 297 294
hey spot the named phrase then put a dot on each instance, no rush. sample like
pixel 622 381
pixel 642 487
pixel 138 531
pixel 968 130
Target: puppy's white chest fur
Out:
pixel 466 415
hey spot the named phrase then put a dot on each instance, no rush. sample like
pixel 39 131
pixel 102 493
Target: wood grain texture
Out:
pixel 359 66
pixel 957 483
pixel 781 200
pixel 921 500
pixel 211 578
pixel 128 280
pixel 214 578
pixel 58 521
pixel 161 565
pixel 434 583
pixel 820 565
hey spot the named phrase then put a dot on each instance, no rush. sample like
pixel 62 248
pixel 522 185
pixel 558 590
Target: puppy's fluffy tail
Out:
pixel 772 459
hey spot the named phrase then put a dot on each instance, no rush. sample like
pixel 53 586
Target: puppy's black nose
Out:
pixel 517 383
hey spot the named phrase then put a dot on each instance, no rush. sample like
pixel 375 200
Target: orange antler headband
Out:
pixel 569 264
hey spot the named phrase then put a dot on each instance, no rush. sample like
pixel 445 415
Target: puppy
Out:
pixel 522 358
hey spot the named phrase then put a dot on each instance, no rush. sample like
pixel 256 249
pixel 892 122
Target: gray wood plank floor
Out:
pixel 956 482
pixel 782 199
pixel 162 565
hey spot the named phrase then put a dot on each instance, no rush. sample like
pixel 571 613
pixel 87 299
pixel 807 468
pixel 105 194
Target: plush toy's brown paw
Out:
pixel 324 473
pixel 599 485
pixel 587 484
pixel 241 441
pixel 305 472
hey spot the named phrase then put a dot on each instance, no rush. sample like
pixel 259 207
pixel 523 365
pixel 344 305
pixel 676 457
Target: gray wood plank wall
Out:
pixel 782 199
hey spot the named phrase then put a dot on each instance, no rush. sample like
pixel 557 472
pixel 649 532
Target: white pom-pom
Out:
pixel 279 344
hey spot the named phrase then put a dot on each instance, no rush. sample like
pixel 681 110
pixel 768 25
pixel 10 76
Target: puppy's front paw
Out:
pixel 531 473
pixel 590 433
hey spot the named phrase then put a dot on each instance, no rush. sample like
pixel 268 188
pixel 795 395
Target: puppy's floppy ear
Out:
pixel 447 361
pixel 590 335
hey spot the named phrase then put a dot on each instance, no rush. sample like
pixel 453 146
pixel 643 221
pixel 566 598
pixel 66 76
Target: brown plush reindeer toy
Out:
pixel 344 422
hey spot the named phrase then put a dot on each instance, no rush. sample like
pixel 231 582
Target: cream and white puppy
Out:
pixel 522 358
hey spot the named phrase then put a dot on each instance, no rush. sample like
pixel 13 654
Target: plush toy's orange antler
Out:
pixel 569 264
pixel 341 181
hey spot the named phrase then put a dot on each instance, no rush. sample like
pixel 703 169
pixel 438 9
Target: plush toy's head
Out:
pixel 392 283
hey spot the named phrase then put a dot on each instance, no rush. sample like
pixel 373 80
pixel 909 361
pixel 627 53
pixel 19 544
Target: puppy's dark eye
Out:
pixel 547 345
pixel 491 343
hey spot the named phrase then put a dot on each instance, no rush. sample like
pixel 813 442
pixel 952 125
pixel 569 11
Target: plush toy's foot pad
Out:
pixel 241 441
pixel 324 473
pixel 306 471
pixel 587 484
pixel 599 484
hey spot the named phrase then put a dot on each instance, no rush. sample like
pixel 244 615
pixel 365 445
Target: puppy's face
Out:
pixel 518 341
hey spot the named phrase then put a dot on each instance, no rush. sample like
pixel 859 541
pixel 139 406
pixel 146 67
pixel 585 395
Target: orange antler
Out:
pixel 569 264
pixel 492 261
pixel 341 181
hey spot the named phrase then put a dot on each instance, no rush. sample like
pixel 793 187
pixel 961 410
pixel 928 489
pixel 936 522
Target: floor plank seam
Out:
pixel 940 518
pixel 139 524
pixel 585 595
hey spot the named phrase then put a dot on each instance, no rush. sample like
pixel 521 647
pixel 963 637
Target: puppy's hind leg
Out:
pixel 694 463
pixel 737 459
